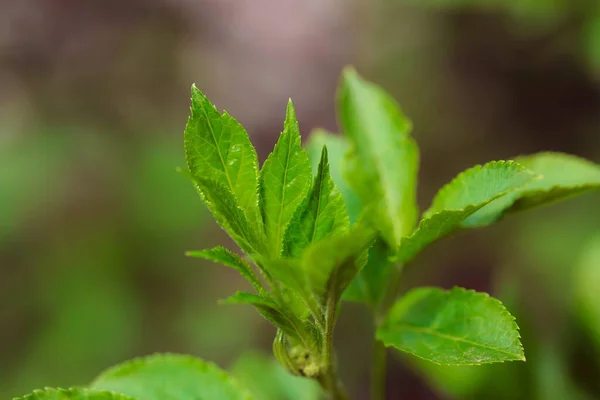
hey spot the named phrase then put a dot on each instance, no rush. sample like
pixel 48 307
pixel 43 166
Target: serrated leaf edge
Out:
pixel 69 391
pixel 290 113
pixel 504 312
pixel 497 164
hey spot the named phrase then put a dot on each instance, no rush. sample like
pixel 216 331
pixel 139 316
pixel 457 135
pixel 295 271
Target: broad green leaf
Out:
pixel 284 181
pixel 370 283
pixel 331 264
pixel 452 327
pixel 173 377
pixel 73 394
pixel 323 213
pixel 561 176
pixel 382 164
pixel 337 147
pixel 224 256
pixel 269 310
pixel 217 147
pixel 586 281
pixel 268 380
pixel 224 207
pixel 468 192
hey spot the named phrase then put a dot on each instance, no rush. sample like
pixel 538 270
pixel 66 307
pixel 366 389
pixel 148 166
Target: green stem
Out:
pixel 329 380
pixel 378 369
pixel 379 356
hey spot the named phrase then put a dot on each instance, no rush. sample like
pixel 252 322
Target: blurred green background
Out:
pixel 94 220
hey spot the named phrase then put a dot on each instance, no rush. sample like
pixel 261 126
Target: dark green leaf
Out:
pixel 468 192
pixel 73 394
pixel 217 147
pixel 222 255
pixel 383 161
pixel 284 181
pixel 173 377
pixel 337 147
pixel 452 327
pixel 561 176
pixel 323 213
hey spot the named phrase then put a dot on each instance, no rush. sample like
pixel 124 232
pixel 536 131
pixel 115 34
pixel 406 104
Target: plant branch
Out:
pixel 378 370
pixel 329 380
pixel 379 355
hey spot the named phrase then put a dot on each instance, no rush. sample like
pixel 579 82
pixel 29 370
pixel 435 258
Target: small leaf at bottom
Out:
pixel 173 377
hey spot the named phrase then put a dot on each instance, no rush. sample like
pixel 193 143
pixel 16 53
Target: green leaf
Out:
pixel 73 394
pixel 173 377
pixel 223 205
pixel 561 176
pixel 337 147
pixel 294 292
pixel 383 161
pixel 267 380
pixel 370 283
pixel 331 264
pixel 224 256
pixel 452 327
pixel 217 147
pixel 368 286
pixel 269 310
pixel 323 213
pixel 284 181
pixel 468 192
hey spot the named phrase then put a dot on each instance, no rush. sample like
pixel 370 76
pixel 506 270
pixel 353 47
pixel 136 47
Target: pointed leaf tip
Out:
pixel 349 72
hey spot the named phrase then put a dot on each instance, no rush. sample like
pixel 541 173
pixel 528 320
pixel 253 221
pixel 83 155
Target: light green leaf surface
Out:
pixel 452 327
pixel 468 192
pixel 73 394
pixel 561 176
pixel 268 380
pixel 224 256
pixel 331 264
pixel 383 161
pixel 173 377
pixel 337 147
pixel 224 207
pixel 284 181
pixel 323 213
pixel 217 147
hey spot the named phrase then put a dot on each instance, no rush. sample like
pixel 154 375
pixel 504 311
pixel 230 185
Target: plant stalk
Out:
pixel 329 380
pixel 379 355
pixel 378 370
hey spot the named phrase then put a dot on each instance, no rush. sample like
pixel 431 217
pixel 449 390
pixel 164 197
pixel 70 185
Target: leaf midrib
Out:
pixel 319 191
pixel 283 186
pixel 433 332
pixel 214 137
